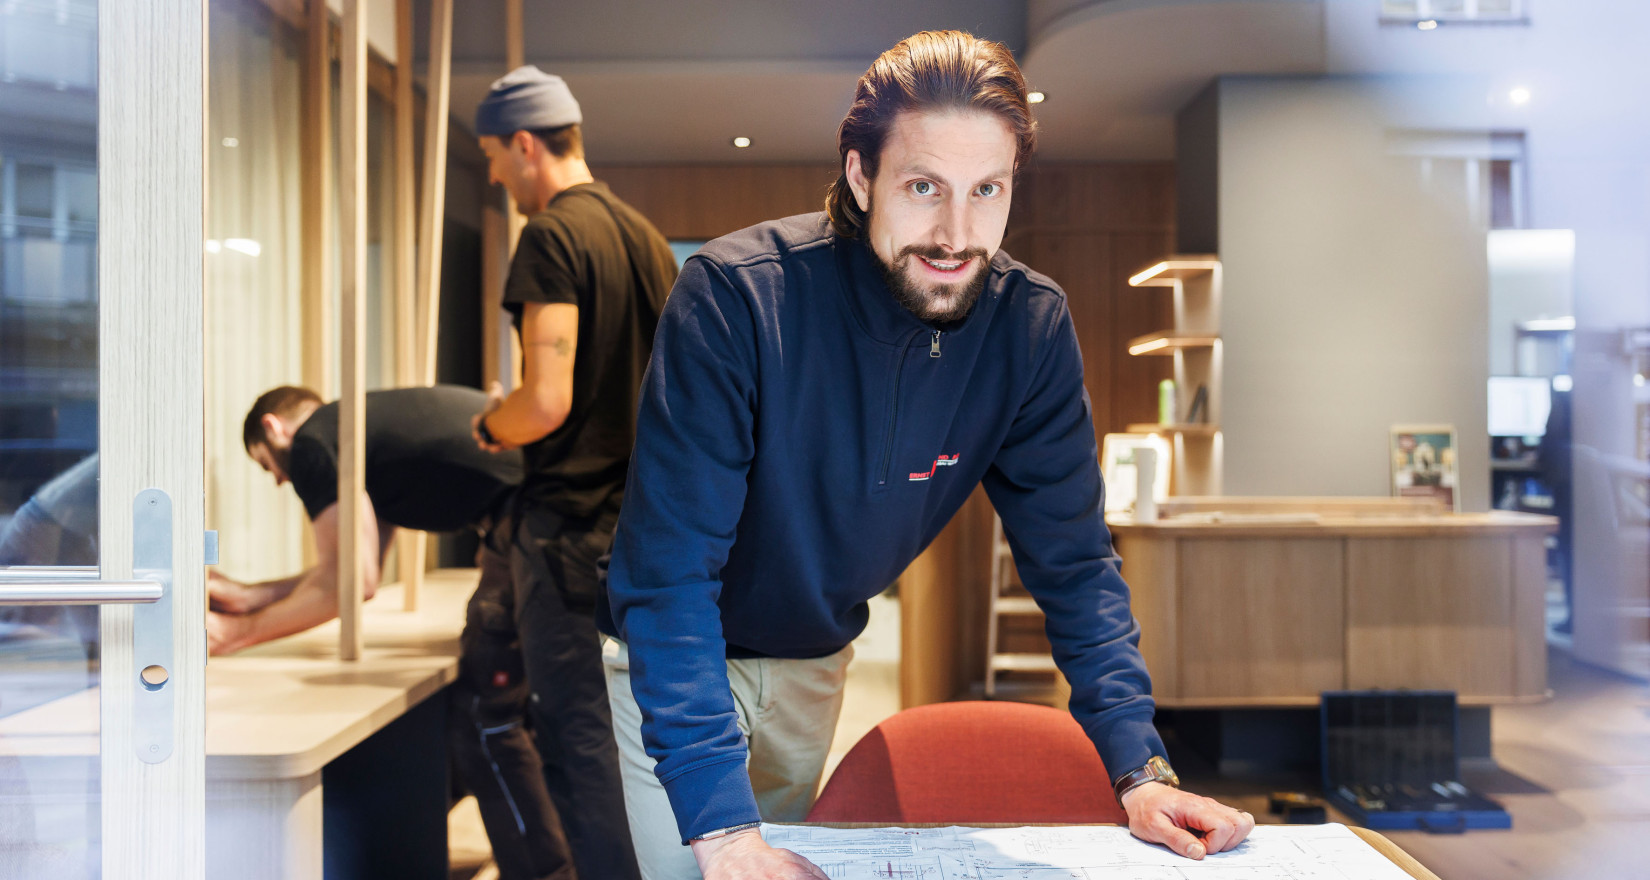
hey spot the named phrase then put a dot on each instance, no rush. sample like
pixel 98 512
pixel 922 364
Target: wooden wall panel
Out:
pixel 1401 630
pixel 701 202
pixel 1267 617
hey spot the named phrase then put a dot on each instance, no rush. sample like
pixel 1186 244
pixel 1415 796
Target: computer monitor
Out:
pixel 1519 405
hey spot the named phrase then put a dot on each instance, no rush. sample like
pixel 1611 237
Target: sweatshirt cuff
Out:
pixel 1127 744
pixel 711 797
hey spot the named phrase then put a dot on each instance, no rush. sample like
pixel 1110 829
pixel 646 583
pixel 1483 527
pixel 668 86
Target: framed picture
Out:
pixel 1424 461
pixel 1117 467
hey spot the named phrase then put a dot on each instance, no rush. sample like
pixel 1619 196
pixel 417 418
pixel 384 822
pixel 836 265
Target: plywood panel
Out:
pixel 1260 618
pixel 701 202
pixel 1151 568
pixel 1529 583
pixel 1430 613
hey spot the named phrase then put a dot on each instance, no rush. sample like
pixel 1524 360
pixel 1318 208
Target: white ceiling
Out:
pixel 666 81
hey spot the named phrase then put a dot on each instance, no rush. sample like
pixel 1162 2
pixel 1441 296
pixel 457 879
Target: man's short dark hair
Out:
pixel 283 402
pixel 933 70
pixel 567 140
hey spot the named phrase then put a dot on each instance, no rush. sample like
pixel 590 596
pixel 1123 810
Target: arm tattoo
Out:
pixel 561 345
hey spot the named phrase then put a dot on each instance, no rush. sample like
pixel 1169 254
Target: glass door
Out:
pixel 102 642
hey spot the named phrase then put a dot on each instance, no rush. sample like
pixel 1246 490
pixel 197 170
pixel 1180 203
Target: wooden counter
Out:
pixel 1270 609
pixel 285 717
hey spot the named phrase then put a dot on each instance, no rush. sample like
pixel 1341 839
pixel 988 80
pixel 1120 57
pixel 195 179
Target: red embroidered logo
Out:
pixel 942 461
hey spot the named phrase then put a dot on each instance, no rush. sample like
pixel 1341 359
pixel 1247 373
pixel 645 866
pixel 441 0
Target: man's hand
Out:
pixel 495 399
pixel 230 596
pixel 1191 825
pixel 226 633
pixel 746 856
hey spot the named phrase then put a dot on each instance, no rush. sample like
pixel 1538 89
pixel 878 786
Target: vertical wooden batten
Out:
pixel 433 204
pixel 151 131
pixel 515 55
pixel 352 403
pixel 409 544
pixel 316 186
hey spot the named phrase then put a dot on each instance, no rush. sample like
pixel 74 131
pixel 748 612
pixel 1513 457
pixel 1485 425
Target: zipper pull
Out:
pixel 934 345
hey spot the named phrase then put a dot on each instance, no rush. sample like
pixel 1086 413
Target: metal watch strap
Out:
pixel 731 829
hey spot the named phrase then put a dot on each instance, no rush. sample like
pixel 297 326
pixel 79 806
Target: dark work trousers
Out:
pixel 487 731
pixel 553 562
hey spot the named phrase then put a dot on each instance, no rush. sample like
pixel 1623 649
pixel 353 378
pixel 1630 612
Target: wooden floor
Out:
pixel 1574 772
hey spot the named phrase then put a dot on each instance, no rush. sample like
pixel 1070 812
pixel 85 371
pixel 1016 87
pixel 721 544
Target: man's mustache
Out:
pixel 937 253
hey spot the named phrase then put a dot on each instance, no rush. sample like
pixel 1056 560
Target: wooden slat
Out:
pixel 151 137
pixel 433 203
pixel 409 544
pixel 432 208
pixel 494 265
pixel 352 251
pixel 316 185
pixel 1261 618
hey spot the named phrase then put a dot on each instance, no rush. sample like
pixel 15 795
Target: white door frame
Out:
pixel 151 177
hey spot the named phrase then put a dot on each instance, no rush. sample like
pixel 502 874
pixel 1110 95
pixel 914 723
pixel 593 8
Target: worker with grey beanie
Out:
pixel 586 285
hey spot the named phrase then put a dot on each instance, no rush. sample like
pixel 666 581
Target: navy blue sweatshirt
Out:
pixel 801 438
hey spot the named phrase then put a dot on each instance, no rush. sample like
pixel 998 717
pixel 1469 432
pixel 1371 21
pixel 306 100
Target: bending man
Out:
pixel 423 472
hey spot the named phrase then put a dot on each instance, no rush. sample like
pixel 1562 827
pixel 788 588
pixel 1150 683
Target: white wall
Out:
pixel 1587 131
pixel 1352 300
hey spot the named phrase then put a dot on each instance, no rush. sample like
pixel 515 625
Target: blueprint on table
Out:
pixel 1272 852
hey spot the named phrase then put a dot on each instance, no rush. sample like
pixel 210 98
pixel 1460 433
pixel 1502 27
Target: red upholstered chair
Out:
pixel 971 762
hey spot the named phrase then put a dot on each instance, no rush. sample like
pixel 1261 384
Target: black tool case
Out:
pixel 1390 762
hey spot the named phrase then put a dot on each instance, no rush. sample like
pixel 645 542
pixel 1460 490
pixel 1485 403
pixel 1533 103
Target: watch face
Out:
pixel 1163 772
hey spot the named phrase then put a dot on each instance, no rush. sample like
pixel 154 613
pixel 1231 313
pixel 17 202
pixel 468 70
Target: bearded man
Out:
pixel 824 393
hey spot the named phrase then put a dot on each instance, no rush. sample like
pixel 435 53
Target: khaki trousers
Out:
pixel 787 711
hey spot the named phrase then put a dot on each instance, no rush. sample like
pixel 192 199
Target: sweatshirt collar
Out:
pixel 873 305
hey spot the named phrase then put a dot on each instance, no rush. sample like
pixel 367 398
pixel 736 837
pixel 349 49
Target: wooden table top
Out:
pixel 284 709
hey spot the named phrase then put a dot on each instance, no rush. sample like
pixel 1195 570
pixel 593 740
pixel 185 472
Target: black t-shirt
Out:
pixel 424 470
pixel 587 248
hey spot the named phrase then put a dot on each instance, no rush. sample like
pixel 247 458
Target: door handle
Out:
pixel 47 585
pixel 153 652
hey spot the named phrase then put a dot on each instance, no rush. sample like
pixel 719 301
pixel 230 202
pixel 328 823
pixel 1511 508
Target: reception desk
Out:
pixel 1268 606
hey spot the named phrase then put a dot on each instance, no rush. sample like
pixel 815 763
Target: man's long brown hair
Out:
pixel 930 71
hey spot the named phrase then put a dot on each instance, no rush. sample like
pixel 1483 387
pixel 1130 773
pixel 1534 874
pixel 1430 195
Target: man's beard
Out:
pixel 282 457
pixel 934 303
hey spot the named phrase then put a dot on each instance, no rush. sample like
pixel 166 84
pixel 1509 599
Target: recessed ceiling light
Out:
pixel 741 142
pixel 1519 96
pixel 231 142
pixel 1036 97
pixel 1427 25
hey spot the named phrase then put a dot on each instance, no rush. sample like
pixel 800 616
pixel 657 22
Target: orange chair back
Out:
pixel 971 762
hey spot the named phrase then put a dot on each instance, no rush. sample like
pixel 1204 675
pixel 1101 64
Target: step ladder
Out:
pixel 1000 606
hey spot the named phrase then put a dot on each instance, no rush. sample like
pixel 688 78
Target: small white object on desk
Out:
pixel 1145 474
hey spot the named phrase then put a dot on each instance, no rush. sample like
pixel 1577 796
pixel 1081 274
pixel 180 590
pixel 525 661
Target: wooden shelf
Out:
pixel 1175 269
pixel 1201 430
pixel 1168 342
